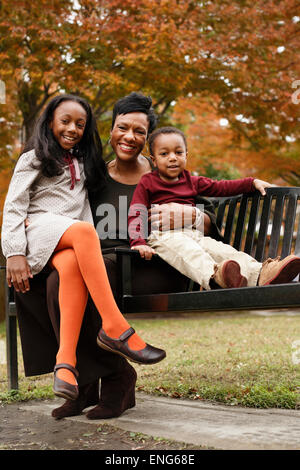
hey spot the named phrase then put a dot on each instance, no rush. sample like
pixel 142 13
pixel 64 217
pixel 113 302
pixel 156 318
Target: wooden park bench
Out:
pixel 261 226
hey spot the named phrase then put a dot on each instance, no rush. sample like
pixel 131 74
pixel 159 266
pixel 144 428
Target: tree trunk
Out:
pixel 32 99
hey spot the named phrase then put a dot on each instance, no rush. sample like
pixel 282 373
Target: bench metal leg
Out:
pixel 124 286
pixel 11 353
pixel 11 343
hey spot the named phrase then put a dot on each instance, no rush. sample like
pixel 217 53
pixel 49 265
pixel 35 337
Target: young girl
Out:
pixel 49 187
pixel 201 258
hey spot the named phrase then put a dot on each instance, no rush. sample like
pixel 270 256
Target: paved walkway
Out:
pixel 201 423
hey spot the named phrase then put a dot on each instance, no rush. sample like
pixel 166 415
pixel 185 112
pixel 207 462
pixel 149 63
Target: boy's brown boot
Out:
pixel 228 274
pixel 274 271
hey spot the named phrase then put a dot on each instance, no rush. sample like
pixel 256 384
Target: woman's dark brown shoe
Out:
pixel 117 394
pixel 88 396
pixel 147 355
pixel 64 389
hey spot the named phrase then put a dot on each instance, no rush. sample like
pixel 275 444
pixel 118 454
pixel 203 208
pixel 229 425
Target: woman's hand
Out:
pixel 18 273
pixel 175 216
pixel 145 251
pixel 171 216
pixel 260 185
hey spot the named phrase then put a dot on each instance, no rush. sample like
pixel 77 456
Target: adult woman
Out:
pixel 129 133
pixel 133 120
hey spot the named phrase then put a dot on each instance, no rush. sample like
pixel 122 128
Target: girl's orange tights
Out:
pixel 81 268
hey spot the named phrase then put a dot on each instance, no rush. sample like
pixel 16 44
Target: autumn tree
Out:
pixel 99 49
pixel 240 54
pixel 34 42
pixel 215 149
pixel 254 45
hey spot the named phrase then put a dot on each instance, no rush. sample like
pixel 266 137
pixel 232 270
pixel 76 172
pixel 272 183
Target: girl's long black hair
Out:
pixel 89 149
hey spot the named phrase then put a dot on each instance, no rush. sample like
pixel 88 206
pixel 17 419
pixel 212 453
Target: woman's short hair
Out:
pixel 136 103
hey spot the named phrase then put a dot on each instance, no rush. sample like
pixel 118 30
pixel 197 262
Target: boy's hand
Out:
pixel 145 251
pixel 18 272
pixel 260 185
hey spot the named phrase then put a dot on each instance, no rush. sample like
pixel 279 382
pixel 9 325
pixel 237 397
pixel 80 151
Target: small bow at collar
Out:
pixel 73 167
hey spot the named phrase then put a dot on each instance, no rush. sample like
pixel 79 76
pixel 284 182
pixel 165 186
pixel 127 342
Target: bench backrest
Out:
pixel 262 226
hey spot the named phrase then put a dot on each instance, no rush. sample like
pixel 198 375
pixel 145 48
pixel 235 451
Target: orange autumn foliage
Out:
pixel 233 58
pixel 211 143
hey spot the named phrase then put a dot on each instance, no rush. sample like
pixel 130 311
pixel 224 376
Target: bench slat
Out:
pixel 289 225
pixel 251 231
pixel 263 229
pixel 239 231
pixel 230 220
pixel 276 227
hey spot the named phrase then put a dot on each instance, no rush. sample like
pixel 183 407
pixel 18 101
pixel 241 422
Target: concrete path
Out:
pixel 202 423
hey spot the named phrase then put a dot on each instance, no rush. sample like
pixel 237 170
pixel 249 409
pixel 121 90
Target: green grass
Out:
pixel 229 358
pixel 38 387
pixel 236 359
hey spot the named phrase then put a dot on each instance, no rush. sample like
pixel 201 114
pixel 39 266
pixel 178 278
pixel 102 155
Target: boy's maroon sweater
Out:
pixel 153 190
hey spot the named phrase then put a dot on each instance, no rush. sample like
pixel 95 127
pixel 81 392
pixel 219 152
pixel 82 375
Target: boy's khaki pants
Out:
pixel 196 256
